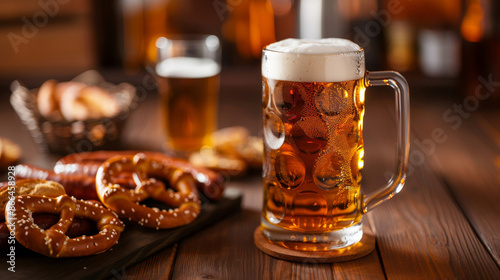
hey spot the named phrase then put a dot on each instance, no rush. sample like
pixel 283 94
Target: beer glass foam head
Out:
pixel 187 67
pixel 321 60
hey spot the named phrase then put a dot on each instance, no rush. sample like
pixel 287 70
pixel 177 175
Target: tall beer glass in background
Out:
pixel 313 107
pixel 188 71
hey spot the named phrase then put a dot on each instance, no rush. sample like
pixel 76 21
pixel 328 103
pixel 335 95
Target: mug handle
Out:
pixel 402 94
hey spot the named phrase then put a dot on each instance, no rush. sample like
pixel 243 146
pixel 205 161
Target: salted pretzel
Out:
pixel 43 220
pixel 145 170
pixel 54 242
pixel 208 182
pixel 76 172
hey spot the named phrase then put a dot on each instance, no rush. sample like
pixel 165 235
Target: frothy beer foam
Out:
pixel 187 67
pixel 322 60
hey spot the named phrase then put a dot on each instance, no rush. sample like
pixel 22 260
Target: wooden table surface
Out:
pixel 445 224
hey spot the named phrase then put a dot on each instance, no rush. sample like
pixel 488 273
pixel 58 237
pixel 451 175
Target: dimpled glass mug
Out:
pixel 313 107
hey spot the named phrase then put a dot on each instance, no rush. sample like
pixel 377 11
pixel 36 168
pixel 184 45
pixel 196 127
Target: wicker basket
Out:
pixel 64 137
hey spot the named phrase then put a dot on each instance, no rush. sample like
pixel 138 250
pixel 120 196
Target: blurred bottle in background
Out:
pixel 422 36
pixel 133 34
pixel 480 32
pixel 142 22
pixel 156 25
pixel 365 26
pixel 323 18
pixel 438 38
pixel 417 37
pixel 249 25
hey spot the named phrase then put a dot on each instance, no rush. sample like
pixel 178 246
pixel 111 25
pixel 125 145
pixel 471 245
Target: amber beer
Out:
pixel 317 168
pixel 189 89
pixel 313 130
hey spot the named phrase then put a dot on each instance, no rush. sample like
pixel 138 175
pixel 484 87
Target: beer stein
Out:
pixel 313 107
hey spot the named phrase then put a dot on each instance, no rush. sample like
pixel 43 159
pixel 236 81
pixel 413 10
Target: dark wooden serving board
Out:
pixel 136 244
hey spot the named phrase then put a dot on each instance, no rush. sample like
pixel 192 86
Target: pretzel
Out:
pixel 76 172
pixel 125 202
pixel 208 182
pixel 53 242
pixel 234 152
pixel 43 220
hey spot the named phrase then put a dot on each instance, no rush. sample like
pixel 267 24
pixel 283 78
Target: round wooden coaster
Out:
pixel 356 251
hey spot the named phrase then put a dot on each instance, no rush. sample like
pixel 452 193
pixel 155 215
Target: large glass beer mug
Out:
pixel 313 107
